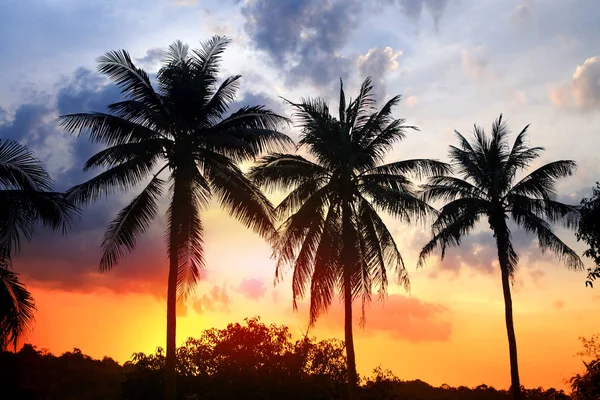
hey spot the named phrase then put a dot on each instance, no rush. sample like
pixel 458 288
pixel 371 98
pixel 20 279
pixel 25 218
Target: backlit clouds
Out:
pixel 377 63
pixel 583 90
pixel 474 63
pixel 216 300
pixel 398 316
pixel 253 289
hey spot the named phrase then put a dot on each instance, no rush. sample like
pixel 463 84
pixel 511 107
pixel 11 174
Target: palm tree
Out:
pixel 331 233
pixel 181 130
pixel 485 187
pixel 26 199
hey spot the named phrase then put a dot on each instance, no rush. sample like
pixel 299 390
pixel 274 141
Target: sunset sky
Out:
pixel 456 63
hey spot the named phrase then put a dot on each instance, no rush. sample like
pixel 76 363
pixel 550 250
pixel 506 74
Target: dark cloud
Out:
pixel 152 57
pixel 414 9
pixel 304 38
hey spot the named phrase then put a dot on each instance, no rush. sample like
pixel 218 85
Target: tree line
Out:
pixel 179 138
pixel 249 360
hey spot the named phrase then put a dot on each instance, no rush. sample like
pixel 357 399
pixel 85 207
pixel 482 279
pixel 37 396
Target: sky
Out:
pixel 456 63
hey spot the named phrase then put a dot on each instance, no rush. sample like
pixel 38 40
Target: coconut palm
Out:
pixel 331 232
pixel 180 135
pixel 27 198
pixel 486 187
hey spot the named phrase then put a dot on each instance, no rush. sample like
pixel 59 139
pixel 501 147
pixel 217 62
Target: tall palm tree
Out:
pixel 181 130
pixel 331 233
pixel 486 187
pixel 27 198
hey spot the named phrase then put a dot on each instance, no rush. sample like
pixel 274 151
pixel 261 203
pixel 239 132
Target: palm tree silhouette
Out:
pixel 487 169
pixel 27 198
pixel 332 233
pixel 182 130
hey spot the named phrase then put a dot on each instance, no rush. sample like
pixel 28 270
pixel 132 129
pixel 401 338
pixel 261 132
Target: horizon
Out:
pixel 455 64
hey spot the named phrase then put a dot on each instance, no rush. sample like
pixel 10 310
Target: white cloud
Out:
pixel 475 63
pixel 377 63
pixel 583 90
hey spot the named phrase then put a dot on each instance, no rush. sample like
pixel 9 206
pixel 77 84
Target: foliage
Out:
pixel 33 374
pixel 589 232
pixel 586 386
pixel 384 385
pixel 244 361
pixel 251 360
pixel 27 199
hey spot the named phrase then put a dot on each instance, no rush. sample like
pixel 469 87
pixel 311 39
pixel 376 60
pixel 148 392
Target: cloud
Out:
pixel 377 63
pixel 475 63
pixel 153 56
pixel 477 252
pixel 411 101
pixel 303 38
pixel 558 304
pixel 253 289
pixel 521 16
pixel 401 317
pixel 583 90
pixel 185 3
pixel 216 299
pixel 413 9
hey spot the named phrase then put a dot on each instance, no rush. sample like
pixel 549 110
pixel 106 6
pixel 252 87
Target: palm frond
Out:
pixel 134 82
pixel 208 56
pixel 118 178
pixel 284 171
pixel 418 168
pixel 237 194
pixel 122 153
pixel 16 308
pixel 541 182
pixel 548 240
pixel 21 169
pixel 131 222
pixel 448 188
pixel 107 129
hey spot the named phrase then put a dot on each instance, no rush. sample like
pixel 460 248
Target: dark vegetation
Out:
pixel 589 232
pixel 242 361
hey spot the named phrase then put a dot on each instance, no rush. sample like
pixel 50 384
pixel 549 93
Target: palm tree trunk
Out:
pixel 349 338
pixel 515 383
pixel 347 262
pixel 170 388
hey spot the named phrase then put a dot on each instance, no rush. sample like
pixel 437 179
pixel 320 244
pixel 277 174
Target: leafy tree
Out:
pixel 177 134
pixel 245 361
pixel 485 188
pixel 589 232
pixel 331 233
pixel 586 386
pixel 27 198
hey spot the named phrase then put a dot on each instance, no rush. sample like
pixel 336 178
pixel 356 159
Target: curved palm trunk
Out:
pixel 502 243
